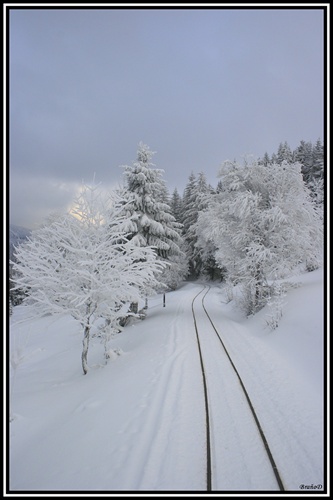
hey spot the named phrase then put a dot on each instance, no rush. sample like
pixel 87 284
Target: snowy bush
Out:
pixel 229 291
pixel 275 303
pixel 83 263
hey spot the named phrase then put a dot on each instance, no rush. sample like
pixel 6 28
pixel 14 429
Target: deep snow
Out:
pixel 138 424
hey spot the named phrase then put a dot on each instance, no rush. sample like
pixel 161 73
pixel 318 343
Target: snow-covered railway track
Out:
pixel 224 394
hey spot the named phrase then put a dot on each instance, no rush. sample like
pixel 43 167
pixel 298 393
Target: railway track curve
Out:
pixel 201 329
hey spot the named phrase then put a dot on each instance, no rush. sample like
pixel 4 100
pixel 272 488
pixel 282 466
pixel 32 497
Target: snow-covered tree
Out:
pixel 316 177
pixel 189 218
pixel 265 160
pixel 311 157
pixel 83 263
pixel 196 195
pixel 263 224
pixel 303 155
pixel 189 215
pixel 219 187
pixel 284 153
pixel 151 220
pixel 176 205
pixel 318 160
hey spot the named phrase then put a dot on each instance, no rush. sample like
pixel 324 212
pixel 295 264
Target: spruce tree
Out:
pixel 284 153
pixel 303 154
pixel 318 160
pixel 152 223
pixel 176 205
pixel 196 195
pixel 189 218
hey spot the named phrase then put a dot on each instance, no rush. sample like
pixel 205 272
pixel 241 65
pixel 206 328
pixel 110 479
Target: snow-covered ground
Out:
pixel 138 423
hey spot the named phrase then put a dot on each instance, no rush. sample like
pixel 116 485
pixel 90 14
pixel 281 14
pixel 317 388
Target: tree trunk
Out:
pixel 134 307
pixel 85 348
pixel 258 289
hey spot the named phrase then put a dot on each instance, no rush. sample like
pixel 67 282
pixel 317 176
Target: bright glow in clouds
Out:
pixel 52 193
pixel 199 86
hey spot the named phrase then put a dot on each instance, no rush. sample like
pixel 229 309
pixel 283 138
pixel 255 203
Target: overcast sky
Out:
pixel 199 86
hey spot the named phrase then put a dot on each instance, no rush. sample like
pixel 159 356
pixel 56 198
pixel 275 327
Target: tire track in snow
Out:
pixel 172 418
pixel 159 445
pixel 151 404
pixel 164 405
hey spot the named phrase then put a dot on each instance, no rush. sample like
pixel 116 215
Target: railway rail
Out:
pixel 244 392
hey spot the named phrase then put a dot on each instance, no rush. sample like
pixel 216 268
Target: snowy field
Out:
pixel 137 424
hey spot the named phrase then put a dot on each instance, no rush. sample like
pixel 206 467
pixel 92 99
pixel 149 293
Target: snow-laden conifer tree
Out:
pixel 284 153
pixel 151 221
pixel 264 225
pixel 82 263
pixel 318 160
pixel 195 198
pixel 303 155
pixel 265 160
pixel 316 177
pixel 189 218
pixel 204 257
pixel 176 205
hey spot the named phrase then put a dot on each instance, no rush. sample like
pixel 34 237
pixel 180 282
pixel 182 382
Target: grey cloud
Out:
pixel 197 85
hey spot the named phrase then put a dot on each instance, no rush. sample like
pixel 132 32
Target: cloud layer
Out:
pixel 198 86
